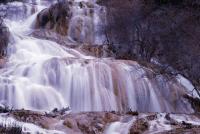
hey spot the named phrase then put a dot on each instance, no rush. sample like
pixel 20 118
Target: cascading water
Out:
pixel 87 22
pixel 43 75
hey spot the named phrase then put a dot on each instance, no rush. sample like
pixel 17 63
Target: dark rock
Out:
pixel 70 123
pixel 194 101
pixel 134 113
pixel 10 130
pixel 152 117
pixel 182 131
pixel 55 18
pixel 5 1
pixel 4 109
pixel 4 39
pixel 139 126
pixel 171 121
pixel 56 112
pixel 187 125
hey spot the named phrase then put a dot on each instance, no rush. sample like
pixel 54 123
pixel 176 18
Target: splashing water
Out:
pixel 42 75
pixel 120 127
pixel 25 127
pixel 87 22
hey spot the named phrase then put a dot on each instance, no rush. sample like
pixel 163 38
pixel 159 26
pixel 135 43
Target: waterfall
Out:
pixel 43 75
pixel 87 22
pixel 120 127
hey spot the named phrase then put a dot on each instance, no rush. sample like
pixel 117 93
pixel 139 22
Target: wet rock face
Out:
pixel 139 126
pixel 90 123
pixel 81 21
pixel 4 39
pixel 109 122
pixel 86 48
pixel 10 130
pixel 55 18
pixel 95 50
pixel 86 123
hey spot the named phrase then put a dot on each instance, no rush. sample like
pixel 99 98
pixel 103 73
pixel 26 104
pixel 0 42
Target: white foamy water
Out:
pixel 188 86
pixel 26 128
pixel 43 75
pixel 120 127
pixel 155 123
pixel 86 24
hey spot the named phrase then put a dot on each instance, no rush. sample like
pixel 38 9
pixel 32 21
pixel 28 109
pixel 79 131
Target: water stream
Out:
pixel 43 75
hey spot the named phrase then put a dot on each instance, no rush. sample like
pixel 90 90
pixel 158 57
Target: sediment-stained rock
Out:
pixel 55 18
pixel 104 122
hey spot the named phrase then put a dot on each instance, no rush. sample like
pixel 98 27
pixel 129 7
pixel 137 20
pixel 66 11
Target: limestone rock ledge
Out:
pixel 99 122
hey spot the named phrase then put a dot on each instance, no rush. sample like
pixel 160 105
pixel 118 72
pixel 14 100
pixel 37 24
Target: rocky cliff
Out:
pixel 161 31
pixel 156 29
